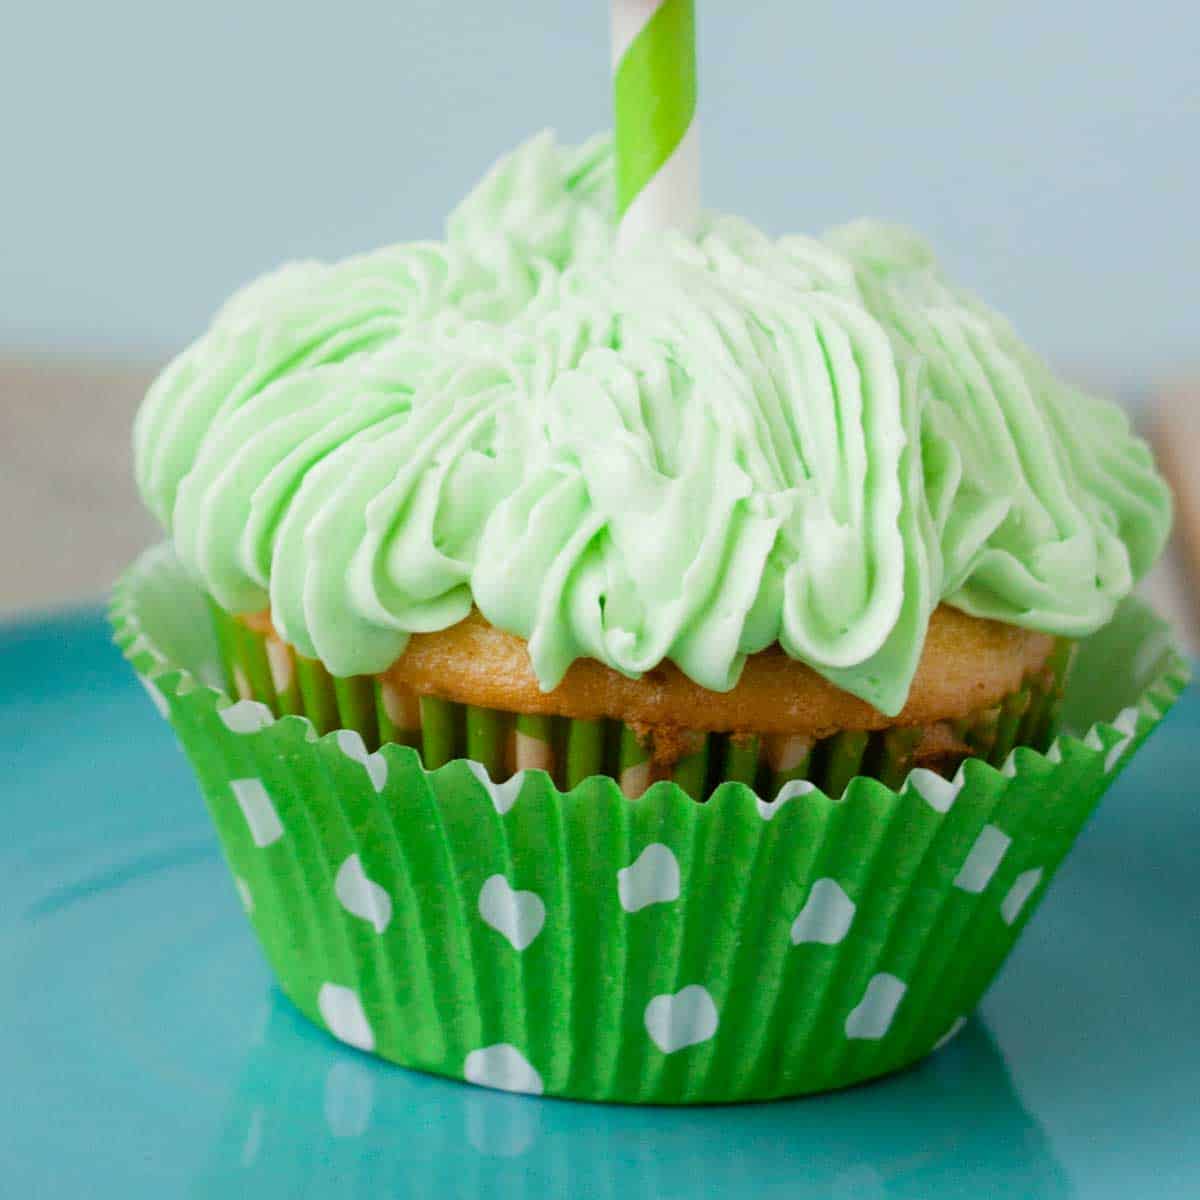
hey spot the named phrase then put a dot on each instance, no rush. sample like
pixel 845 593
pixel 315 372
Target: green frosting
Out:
pixel 686 453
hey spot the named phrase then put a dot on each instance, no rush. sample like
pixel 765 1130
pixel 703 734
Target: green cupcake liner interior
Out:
pixel 258 666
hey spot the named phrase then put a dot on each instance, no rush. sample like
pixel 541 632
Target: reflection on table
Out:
pixel 315 1118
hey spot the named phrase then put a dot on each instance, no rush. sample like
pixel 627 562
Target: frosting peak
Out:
pixel 687 453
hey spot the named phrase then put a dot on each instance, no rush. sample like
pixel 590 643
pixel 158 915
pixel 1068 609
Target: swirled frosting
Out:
pixel 688 452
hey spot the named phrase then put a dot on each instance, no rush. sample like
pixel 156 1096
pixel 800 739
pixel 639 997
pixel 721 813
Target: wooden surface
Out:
pixel 1175 432
pixel 72 520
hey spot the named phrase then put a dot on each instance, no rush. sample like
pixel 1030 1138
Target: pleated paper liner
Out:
pixel 581 944
pixel 259 666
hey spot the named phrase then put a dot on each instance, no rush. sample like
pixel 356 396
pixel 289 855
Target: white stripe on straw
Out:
pixel 671 197
pixel 671 200
pixel 629 18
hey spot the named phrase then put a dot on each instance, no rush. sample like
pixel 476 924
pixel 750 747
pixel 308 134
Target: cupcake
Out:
pixel 671 676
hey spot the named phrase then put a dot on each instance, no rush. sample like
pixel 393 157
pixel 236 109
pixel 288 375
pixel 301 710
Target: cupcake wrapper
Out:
pixel 580 944
pixel 259 666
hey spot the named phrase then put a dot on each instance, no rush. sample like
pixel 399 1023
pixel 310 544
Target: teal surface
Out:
pixel 144 1050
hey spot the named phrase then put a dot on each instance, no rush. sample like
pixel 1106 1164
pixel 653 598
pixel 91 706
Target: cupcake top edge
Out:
pixel 687 452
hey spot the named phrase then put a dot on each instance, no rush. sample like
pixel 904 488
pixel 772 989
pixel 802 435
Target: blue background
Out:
pixel 156 155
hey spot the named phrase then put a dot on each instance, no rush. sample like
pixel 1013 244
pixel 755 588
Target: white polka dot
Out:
pixel 502 1066
pixel 872 1018
pixel 519 916
pixel 686 1018
pixel 246 716
pixel 342 1012
pixel 156 697
pixel 244 893
pixel 258 809
pixel 826 915
pixel 940 794
pixel 990 847
pixel 1023 887
pixel 349 1098
pixel 503 795
pixel 791 790
pixel 652 878
pixel 350 743
pixel 360 896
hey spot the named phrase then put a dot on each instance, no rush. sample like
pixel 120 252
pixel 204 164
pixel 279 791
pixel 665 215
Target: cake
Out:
pixel 727 589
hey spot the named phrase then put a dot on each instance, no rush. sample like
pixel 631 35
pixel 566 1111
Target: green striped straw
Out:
pixel 654 102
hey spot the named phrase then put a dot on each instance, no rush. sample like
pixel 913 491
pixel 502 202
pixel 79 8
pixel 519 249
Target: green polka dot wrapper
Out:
pixel 660 950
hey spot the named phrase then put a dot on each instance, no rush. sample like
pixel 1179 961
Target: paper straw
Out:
pixel 654 100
